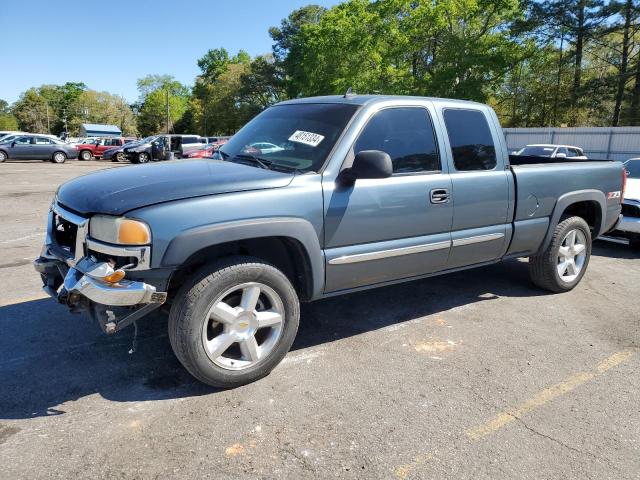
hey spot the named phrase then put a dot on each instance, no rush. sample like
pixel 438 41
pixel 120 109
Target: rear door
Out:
pixel 42 148
pixel 480 187
pixel 387 229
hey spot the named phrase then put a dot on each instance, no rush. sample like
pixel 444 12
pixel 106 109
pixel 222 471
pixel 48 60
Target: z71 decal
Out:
pixel 613 195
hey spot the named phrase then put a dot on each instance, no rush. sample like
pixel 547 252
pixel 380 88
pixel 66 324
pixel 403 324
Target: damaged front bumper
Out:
pixel 75 276
pixel 79 290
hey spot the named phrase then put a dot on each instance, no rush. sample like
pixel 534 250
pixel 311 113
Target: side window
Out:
pixel 406 134
pixel 471 141
pixel 562 150
pixel 23 141
pixel 42 141
pixel 574 152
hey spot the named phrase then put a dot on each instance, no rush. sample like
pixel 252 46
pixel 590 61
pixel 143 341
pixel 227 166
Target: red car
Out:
pixel 95 147
pixel 207 151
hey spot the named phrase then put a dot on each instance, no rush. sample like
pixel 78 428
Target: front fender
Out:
pixel 193 240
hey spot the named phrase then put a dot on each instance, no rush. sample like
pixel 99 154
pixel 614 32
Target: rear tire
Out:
pixel 59 157
pixel 564 262
pixel 249 331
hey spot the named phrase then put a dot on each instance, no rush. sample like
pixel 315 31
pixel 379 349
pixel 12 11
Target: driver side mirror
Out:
pixel 368 164
pixel 13 144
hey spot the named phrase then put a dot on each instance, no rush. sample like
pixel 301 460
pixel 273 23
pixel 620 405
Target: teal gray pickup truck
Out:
pixel 353 192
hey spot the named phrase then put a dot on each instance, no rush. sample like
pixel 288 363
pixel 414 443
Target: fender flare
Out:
pixel 193 240
pixel 569 199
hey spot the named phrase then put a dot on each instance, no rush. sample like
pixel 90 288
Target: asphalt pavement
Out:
pixel 477 375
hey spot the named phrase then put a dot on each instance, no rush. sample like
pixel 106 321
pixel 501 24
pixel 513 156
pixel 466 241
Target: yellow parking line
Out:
pixel 23 300
pixel 547 395
pixel 508 416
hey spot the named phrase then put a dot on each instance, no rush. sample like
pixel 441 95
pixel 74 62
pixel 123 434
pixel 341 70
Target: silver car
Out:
pixel 629 226
pixel 36 147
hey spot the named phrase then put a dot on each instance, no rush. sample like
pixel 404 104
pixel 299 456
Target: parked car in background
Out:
pixel 552 151
pixel 97 146
pixel 366 191
pixel 116 154
pixel 266 147
pixel 157 148
pixel 182 145
pixel 36 147
pixel 208 150
pixel 629 227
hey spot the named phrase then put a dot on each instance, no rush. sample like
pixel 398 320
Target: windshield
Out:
pixel 633 168
pixel 536 151
pixel 8 138
pixel 296 136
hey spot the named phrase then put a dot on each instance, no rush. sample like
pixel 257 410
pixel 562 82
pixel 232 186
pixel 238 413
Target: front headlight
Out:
pixel 120 230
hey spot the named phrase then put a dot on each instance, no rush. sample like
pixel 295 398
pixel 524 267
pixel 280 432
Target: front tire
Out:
pixel 118 157
pixel 234 322
pixel 59 157
pixel 564 262
pixel 86 155
pixel 3 156
pixel 143 157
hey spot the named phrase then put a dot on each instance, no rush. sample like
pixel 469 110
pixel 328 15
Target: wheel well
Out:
pixel 58 151
pixel 587 210
pixel 285 253
pixel 82 151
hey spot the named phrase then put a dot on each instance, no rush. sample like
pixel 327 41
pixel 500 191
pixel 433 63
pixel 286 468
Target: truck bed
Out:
pixel 542 190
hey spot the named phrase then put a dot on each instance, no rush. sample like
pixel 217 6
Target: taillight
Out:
pixel 624 183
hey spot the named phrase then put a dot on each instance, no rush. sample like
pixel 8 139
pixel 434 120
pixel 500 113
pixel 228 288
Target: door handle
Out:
pixel 439 195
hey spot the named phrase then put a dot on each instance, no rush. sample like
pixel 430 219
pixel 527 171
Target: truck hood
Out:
pixel 119 190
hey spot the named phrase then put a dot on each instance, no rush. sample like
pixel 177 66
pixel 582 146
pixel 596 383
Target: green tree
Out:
pixel 154 92
pixel 263 83
pixel 456 48
pixel 7 120
pixel 105 108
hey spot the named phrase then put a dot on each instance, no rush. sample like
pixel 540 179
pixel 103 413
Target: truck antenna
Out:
pixel 348 93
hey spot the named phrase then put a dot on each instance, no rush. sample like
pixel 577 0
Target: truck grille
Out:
pixel 68 233
pixel 65 233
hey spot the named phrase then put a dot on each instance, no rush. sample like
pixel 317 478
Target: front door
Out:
pixel 21 148
pixel 383 230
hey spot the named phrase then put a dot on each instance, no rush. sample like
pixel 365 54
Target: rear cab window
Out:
pixel 471 140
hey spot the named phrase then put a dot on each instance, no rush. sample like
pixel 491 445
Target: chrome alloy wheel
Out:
pixel 572 255
pixel 243 326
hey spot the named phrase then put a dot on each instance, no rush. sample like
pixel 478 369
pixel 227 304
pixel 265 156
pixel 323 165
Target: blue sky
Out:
pixel 110 44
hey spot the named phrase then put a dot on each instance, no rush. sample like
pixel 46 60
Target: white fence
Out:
pixel 613 143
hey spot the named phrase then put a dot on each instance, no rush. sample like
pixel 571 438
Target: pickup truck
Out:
pixel 364 191
pixel 98 146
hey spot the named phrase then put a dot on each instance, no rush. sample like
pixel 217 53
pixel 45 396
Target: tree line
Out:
pixel 538 63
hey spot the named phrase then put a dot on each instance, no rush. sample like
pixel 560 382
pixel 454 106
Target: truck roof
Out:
pixel 355 99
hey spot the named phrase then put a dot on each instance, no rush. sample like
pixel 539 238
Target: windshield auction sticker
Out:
pixel 308 138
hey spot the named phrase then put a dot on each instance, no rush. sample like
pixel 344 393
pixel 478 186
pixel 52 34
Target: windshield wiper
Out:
pixel 260 162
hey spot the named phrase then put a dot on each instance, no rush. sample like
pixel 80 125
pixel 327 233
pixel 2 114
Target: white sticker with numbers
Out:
pixel 308 138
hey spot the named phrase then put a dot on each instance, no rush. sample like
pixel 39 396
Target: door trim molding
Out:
pixel 394 252
pixel 477 239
